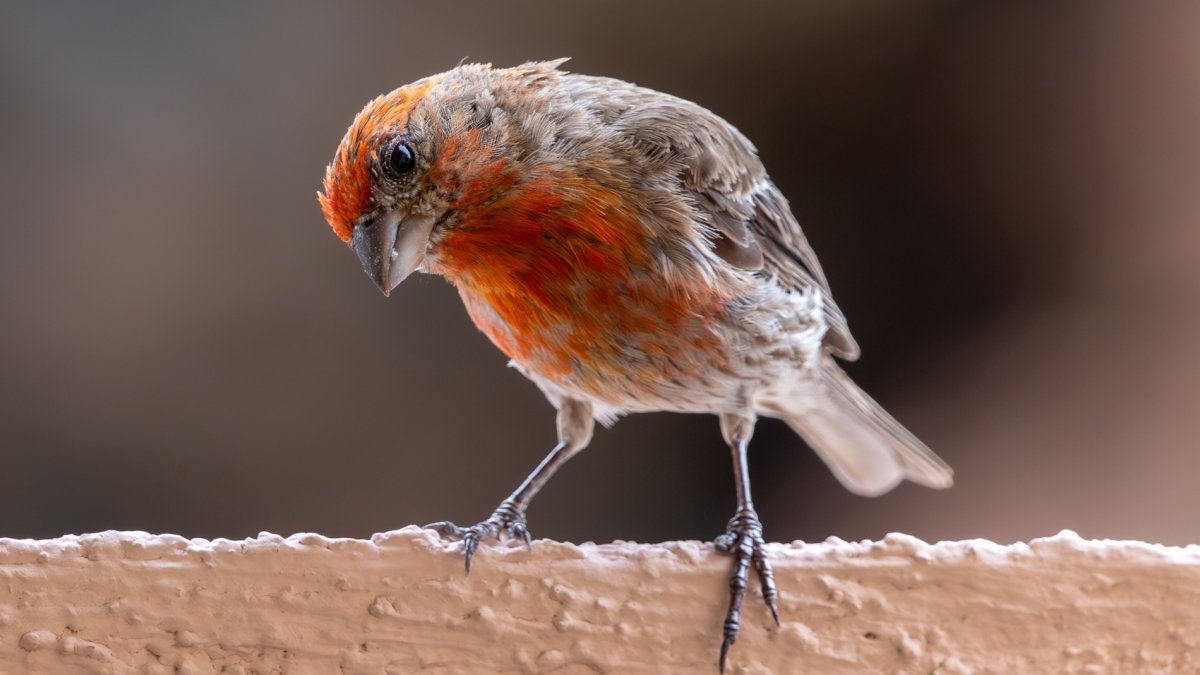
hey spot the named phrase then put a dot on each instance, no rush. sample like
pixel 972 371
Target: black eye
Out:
pixel 398 159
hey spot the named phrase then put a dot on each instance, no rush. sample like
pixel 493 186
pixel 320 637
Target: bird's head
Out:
pixel 416 162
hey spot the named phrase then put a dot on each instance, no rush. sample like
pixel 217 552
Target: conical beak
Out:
pixel 391 247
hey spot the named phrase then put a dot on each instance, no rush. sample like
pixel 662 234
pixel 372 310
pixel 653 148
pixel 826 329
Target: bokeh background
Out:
pixel 1005 198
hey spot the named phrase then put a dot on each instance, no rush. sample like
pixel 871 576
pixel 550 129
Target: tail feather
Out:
pixel 868 450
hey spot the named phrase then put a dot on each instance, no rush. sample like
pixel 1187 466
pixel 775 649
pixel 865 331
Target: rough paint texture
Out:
pixel 125 602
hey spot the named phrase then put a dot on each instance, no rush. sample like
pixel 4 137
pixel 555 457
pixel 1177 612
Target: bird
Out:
pixel 629 253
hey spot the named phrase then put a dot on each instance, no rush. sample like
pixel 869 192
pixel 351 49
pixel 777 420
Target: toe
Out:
pixel 470 544
pixel 447 529
pixel 725 543
pixel 519 531
pixel 766 579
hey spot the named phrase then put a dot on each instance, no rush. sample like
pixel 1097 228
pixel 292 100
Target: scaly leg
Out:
pixel 575 425
pixel 743 538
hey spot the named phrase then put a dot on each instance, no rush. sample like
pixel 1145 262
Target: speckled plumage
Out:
pixel 627 250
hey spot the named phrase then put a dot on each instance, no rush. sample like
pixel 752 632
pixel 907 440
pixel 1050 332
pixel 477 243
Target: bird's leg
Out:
pixel 575 425
pixel 743 538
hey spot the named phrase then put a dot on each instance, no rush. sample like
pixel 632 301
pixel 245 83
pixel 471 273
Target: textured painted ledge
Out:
pixel 126 602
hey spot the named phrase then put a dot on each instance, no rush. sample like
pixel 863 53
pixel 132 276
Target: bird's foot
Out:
pixel 744 541
pixel 508 519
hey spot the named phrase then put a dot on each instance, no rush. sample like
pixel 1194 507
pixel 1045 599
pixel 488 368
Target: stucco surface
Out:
pixel 131 602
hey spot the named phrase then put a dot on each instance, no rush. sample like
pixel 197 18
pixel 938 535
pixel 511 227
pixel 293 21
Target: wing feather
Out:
pixel 726 184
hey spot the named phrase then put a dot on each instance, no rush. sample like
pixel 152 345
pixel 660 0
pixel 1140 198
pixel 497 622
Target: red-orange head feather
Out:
pixel 348 178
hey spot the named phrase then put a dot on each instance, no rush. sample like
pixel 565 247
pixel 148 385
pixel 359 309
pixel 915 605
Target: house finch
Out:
pixel 626 249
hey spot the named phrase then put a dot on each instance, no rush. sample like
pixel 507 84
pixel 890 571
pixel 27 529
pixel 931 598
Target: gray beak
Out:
pixel 391 247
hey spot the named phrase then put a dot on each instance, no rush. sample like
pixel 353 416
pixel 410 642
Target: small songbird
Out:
pixel 627 250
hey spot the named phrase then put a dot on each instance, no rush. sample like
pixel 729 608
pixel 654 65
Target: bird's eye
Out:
pixel 398 159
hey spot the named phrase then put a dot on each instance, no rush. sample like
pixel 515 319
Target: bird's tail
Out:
pixel 868 450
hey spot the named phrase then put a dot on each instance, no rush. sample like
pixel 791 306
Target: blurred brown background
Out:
pixel 1004 196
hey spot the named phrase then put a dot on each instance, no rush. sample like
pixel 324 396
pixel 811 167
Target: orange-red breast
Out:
pixel 627 250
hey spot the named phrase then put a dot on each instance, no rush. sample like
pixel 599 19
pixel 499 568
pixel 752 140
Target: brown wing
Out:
pixel 725 181
pixel 758 231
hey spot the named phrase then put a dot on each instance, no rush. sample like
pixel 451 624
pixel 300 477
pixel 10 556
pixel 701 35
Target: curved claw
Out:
pixel 519 531
pixel 725 643
pixel 470 544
